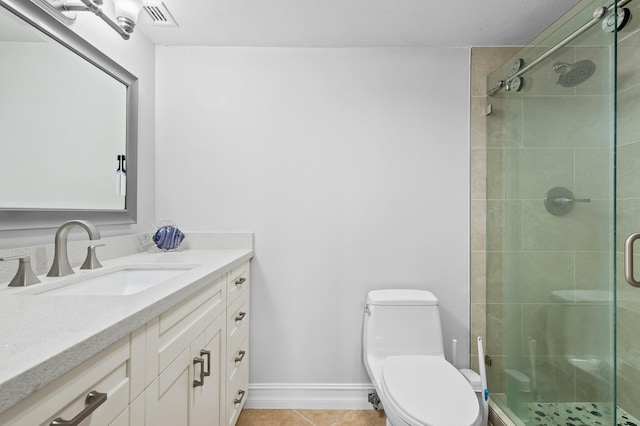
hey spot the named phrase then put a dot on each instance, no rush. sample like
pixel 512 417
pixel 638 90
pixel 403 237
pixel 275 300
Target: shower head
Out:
pixel 573 74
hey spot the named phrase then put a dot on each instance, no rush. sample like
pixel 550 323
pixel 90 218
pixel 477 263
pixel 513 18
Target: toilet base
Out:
pixel 394 420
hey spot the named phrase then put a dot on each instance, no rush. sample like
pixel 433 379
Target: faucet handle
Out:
pixel 24 276
pixel 91 261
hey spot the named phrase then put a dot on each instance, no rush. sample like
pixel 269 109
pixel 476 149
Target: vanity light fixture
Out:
pixel 126 12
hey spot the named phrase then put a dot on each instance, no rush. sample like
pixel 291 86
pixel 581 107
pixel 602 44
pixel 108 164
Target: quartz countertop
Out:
pixel 45 336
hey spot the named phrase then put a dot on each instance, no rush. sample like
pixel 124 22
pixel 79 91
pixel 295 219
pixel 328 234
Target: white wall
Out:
pixel 138 56
pixel 351 166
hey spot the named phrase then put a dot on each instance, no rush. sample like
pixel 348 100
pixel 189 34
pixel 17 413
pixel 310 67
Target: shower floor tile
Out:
pixel 575 414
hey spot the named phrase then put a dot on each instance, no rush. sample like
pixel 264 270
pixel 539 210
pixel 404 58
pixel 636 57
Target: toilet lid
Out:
pixel 427 390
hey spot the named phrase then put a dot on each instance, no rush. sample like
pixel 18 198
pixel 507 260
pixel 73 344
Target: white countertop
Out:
pixel 45 336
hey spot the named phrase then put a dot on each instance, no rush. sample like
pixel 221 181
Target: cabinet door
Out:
pixel 184 394
pixel 174 330
pixel 167 398
pixel 206 407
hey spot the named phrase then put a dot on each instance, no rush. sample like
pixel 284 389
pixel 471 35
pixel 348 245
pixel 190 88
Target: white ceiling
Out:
pixel 355 23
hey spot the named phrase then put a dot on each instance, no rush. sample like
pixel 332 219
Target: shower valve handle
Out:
pixel 559 201
pixel 566 200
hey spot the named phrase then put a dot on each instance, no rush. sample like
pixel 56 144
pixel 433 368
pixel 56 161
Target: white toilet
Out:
pixel 404 356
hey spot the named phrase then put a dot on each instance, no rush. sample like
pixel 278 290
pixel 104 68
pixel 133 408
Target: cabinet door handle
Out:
pixel 241 393
pixel 240 356
pixel 198 360
pixel 93 400
pixel 208 355
pixel 241 316
pixel 240 281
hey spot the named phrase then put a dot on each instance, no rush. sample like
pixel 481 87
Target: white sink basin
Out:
pixel 116 281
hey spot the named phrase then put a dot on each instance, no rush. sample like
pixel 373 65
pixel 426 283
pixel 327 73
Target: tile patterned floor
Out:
pixel 254 417
pixel 576 414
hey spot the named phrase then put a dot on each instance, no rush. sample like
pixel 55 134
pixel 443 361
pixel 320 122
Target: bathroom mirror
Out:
pixel 67 113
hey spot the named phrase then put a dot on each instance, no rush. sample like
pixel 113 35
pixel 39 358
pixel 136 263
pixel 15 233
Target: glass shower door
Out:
pixel 551 226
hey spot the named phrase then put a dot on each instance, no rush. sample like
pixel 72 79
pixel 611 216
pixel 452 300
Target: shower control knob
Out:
pixel 559 201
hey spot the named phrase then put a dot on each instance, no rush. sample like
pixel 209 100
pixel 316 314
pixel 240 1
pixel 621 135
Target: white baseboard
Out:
pixel 325 396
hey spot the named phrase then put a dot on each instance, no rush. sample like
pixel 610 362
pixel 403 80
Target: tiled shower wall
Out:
pixel 483 61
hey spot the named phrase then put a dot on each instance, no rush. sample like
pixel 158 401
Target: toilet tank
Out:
pixel 402 322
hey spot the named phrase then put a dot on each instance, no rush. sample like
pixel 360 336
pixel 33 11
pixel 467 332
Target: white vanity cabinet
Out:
pixel 186 367
pixel 65 399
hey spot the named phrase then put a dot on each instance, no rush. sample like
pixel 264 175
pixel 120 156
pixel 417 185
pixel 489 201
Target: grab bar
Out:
pixel 628 259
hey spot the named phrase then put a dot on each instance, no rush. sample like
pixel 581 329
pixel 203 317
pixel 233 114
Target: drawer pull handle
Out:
pixel 240 356
pixel 241 316
pixel 208 355
pixel 198 360
pixel 94 400
pixel 241 393
pixel 240 281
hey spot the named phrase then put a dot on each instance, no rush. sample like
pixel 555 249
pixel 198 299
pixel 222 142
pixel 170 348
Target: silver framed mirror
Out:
pixel 64 128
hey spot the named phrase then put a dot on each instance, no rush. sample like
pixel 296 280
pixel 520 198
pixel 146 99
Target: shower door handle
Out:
pixel 628 259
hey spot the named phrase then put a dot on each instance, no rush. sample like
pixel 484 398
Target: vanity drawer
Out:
pixel 237 359
pixel 238 281
pixel 237 392
pixel 107 372
pixel 238 321
pixel 174 330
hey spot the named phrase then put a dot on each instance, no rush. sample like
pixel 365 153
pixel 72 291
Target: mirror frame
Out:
pixel 12 219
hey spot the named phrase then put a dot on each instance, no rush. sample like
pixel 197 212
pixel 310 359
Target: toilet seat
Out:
pixel 428 391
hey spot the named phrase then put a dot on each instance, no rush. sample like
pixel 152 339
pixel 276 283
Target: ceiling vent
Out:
pixel 159 13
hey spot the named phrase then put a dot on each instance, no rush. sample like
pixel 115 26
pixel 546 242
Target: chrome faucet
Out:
pixel 61 266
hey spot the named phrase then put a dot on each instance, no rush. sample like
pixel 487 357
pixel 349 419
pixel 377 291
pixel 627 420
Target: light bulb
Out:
pixel 127 12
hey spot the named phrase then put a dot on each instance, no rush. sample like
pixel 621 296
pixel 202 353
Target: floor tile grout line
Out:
pixel 337 423
pixel 306 419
